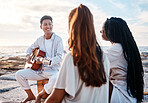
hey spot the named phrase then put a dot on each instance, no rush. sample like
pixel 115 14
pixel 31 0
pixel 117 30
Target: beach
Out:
pixel 10 91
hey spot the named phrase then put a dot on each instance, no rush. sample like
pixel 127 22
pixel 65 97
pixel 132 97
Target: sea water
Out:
pixel 10 51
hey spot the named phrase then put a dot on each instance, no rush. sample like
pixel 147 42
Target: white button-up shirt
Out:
pixel 53 51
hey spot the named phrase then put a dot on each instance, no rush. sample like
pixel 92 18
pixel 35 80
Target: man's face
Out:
pixel 47 26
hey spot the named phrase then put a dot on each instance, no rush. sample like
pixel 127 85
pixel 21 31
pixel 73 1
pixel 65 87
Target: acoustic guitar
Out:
pixel 36 53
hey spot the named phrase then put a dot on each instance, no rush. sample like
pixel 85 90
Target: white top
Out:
pixel 118 75
pixel 116 56
pixel 54 50
pixel 48 46
pixel 69 80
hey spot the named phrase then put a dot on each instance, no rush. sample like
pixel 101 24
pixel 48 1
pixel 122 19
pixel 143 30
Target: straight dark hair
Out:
pixel 45 17
pixel 117 31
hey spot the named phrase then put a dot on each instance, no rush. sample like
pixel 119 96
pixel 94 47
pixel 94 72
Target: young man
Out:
pixel 52 45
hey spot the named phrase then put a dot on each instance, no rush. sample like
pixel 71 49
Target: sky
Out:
pixel 20 19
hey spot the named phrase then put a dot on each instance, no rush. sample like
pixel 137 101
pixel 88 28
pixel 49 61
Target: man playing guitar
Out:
pixel 52 45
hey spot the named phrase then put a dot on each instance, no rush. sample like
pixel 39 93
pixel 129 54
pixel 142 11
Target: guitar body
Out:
pixel 37 53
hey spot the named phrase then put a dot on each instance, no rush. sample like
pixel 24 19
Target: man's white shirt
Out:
pixel 53 48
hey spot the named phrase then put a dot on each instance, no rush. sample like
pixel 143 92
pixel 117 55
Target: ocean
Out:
pixel 11 51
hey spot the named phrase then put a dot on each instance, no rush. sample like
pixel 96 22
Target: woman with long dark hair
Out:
pixel 83 76
pixel 126 74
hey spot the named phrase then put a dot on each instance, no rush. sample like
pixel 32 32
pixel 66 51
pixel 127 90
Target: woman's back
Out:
pixel 76 88
pixel 118 75
pixel 126 65
pixel 84 72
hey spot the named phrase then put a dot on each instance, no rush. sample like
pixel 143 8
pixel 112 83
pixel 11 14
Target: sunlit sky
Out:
pixel 19 19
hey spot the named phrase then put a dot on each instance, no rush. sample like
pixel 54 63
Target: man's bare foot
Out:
pixel 38 98
pixel 29 99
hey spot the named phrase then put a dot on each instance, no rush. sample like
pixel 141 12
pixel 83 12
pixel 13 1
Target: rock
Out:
pixel 144 55
pixel 12 92
pixel 11 63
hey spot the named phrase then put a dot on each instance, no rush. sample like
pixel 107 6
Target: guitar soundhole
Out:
pixel 36 54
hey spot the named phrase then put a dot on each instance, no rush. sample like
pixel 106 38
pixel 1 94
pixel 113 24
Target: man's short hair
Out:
pixel 45 17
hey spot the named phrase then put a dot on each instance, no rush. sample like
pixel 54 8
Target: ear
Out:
pixel 41 26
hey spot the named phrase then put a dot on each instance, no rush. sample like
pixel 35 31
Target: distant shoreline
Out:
pixel 14 63
pixel 11 51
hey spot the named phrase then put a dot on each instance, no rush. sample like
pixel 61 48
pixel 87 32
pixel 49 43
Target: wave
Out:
pixel 11 51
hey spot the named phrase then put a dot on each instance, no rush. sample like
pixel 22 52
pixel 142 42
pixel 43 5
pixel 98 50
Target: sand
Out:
pixel 10 91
